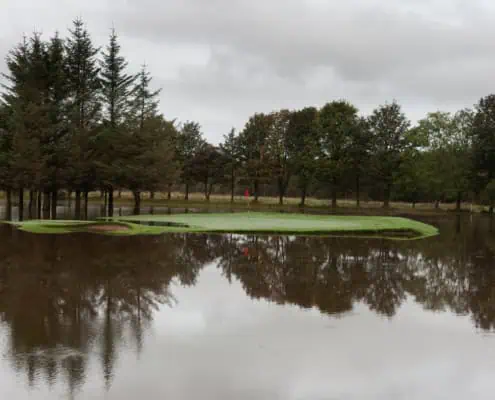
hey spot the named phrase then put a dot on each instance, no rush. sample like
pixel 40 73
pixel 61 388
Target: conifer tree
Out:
pixel 117 88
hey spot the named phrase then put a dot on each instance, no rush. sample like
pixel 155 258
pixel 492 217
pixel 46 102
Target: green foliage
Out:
pixel 189 142
pixel 337 122
pixel 253 140
pixel 304 146
pixel 483 137
pixel 117 86
pixel 447 164
pixel 389 128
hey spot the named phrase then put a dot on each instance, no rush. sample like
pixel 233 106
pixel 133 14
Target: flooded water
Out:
pixel 217 317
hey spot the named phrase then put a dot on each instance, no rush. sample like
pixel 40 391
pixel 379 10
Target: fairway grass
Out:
pixel 254 223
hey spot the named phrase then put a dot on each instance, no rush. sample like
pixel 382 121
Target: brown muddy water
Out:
pixel 184 316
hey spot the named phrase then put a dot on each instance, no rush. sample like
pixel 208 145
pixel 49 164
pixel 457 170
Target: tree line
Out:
pixel 73 118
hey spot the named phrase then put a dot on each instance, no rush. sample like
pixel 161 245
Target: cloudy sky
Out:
pixel 219 61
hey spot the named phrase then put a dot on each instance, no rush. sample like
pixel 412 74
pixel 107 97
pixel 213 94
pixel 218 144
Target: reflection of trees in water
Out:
pixel 454 271
pixel 64 298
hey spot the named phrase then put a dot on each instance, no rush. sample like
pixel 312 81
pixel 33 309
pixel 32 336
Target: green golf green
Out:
pixel 298 224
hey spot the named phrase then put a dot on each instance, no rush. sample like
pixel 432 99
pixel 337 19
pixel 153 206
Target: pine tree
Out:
pixel 83 108
pixel 56 145
pixel 231 152
pixel 189 142
pixel 145 100
pixel 117 89
pixel 117 86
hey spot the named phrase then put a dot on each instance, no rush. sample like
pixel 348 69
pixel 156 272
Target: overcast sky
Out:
pixel 219 61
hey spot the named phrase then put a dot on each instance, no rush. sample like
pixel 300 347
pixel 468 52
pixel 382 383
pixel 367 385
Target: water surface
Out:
pixel 195 316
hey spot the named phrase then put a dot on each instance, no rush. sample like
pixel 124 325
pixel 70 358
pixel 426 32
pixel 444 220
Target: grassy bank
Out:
pixel 259 223
pixel 288 224
pixel 267 203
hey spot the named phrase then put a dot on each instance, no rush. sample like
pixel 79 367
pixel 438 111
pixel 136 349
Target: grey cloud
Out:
pixel 219 61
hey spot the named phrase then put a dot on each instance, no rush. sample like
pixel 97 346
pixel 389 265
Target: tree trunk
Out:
pixel 169 195
pixel 110 202
pixel 137 202
pixel 105 200
pixel 437 204
pixel 86 201
pixel 8 195
pixel 32 197
pixel 207 195
pixel 78 204
pixel 186 197
pixel 210 190
pixel 21 204
pixel 358 191
pixel 414 204
pixel 40 201
pixel 281 191
pixel 32 203
pixel 490 210
pixel 386 200
pixel 152 195
pixel 54 204
pixel 334 193
pixel 458 202
pixel 46 201
pixel 256 190
pixel 69 196
pixel 303 196
pixel 232 187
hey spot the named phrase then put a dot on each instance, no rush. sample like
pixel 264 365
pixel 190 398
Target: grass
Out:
pixel 271 203
pixel 301 224
pixel 259 223
pixel 67 226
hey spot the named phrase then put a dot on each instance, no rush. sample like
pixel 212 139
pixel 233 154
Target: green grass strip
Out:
pixel 247 223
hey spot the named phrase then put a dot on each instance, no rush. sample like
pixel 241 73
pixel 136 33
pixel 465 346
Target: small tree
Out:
pixel 389 129
pixel 304 147
pixel 337 122
pixel 189 142
pixel 230 150
pixel 278 151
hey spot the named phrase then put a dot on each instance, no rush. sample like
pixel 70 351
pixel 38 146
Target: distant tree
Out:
pixel 189 142
pixel 208 167
pixel 304 147
pixel 253 144
pixel 278 153
pixel 231 152
pixel 359 154
pixel 388 127
pixel 147 160
pixel 448 157
pixel 484 141
pixel 337 121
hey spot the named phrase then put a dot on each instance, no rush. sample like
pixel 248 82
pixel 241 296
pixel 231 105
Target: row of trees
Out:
pixel 73 118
